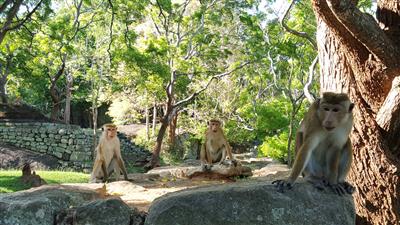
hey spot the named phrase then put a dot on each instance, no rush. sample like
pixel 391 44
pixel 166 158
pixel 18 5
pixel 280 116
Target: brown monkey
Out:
pixel 215 147
pixel 108 157
pixel 323 148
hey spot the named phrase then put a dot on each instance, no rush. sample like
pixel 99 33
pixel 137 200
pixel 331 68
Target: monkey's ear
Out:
pixel 351 107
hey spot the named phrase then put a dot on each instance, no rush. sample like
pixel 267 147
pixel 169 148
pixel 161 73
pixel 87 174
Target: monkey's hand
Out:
pixel 281 185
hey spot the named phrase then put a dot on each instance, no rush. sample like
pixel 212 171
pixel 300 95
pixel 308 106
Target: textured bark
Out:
pixel 68 92
pixel 3 94
pixel 172 130
pixel 352 61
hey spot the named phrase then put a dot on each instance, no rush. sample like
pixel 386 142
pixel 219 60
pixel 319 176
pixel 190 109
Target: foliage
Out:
pixel 275 146
pixel 133 55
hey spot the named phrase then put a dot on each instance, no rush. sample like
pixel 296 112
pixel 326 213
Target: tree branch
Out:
pixel 365 29
pixel 218 76
pixel 4 5
pixel 294 32
pixel 27 17
pixel 388 116
pixel 310 97
pixel 111 30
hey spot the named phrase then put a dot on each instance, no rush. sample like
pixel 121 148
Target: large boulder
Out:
pixel 39 206
pixel 255 203
pixel 13 157
pixel 111 211
pixel 66 205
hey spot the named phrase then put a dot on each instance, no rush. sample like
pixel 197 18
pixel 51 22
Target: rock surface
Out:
pixel 111 211
pixel 40 205
pixel 196 171
pixel 255 203
pixel 69 205
pixel 12 157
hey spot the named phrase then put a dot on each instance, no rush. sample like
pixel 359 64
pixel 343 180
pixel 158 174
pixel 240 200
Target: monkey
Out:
pixel 108 156
pixel 323 147
pixel 215 147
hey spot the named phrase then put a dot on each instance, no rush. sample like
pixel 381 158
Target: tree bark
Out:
pixel 68 91
pixel 147 123
pixel 155 159
pixel 153 128
pixel 3 94
pixel 172 130
pixel 359 58
pixel 54 93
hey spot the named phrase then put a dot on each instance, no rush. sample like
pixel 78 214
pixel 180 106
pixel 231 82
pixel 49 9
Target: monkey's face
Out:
pixel 332 115
pixel 111 132
pixel 214 126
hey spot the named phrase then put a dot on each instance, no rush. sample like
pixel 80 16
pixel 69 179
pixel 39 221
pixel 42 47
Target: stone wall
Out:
pixel 70 144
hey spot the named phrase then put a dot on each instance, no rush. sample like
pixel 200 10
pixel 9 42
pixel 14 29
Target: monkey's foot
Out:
pixel 318 184
pixel 348 187
pixel 281 185
pixel 206 167
pixel 337 189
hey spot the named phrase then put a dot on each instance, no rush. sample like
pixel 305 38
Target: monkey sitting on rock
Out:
pixel 215 148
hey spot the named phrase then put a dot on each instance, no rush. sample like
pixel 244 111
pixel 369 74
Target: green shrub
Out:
pixel 275 147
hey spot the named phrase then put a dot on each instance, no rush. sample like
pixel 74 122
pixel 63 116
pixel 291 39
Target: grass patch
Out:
pixel 9 179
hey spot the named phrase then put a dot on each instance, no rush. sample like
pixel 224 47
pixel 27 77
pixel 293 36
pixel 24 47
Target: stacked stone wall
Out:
pixel 70 144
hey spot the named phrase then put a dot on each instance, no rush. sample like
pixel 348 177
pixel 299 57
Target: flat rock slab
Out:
pixel 216 172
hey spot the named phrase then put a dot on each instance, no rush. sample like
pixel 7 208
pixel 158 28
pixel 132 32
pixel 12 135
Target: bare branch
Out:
pixel 10 15
pixel 294 32
pixel 218 76
pixel 310 97
pixel 111 30
pixel 27 17
pixel 243 122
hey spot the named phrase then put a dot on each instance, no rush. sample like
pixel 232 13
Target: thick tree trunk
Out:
pixel 155 160
pixel 172 130
pixel 3 93
pixel 352 63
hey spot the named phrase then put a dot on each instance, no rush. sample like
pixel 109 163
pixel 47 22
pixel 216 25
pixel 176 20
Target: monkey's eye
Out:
pixel 326 109
pixel 335 110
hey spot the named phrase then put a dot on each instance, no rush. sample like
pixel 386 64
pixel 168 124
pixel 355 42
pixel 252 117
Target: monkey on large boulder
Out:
pixel 323 147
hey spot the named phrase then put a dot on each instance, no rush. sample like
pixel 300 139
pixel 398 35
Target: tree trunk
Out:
pixel 94 118
pixel 153 129
pixel 56 106
pixel 147 124
pixel 172 131
pixel 3 93
pixel 54 93
pixel 67 112
pixel 359 58
pixel 155 160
